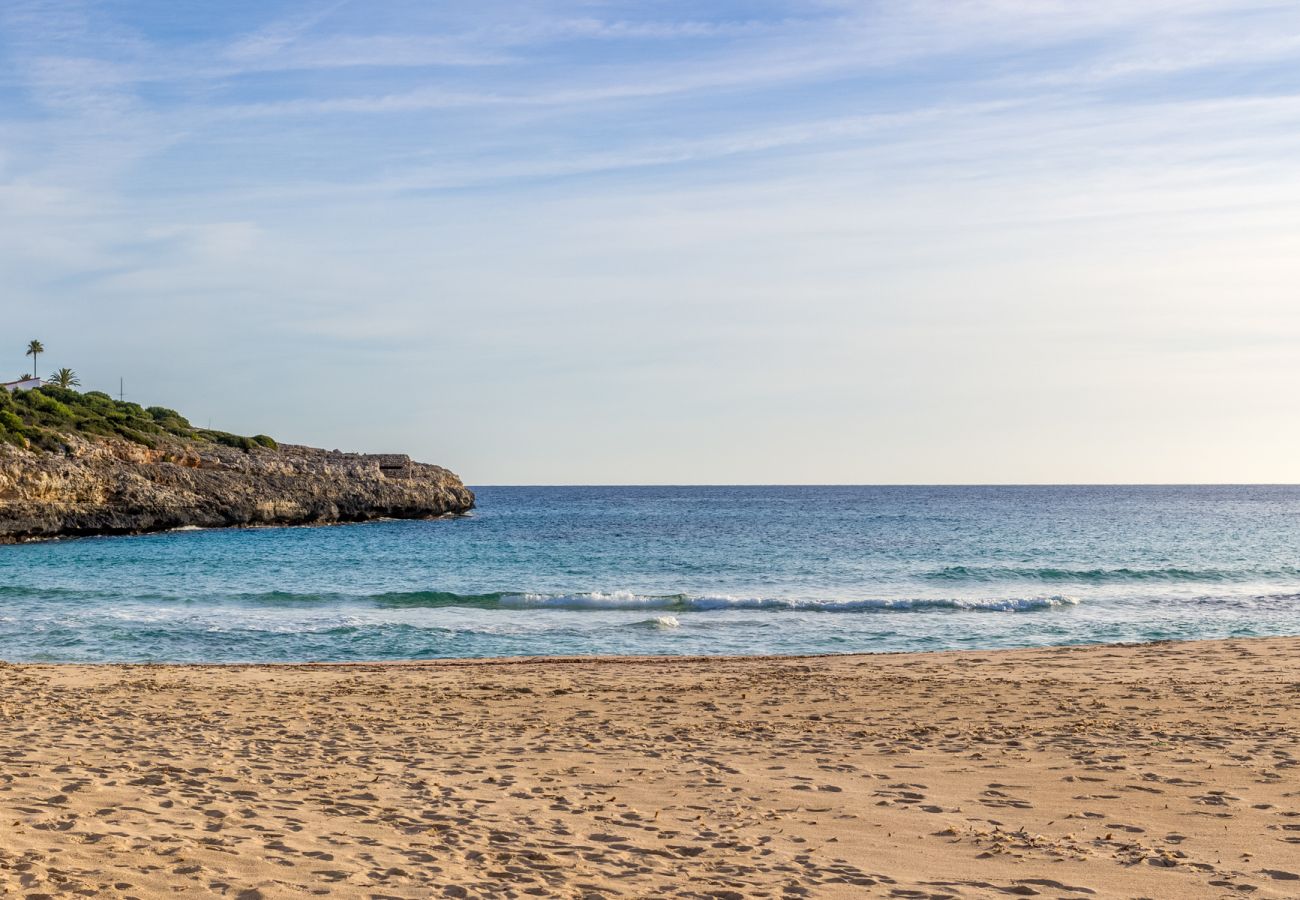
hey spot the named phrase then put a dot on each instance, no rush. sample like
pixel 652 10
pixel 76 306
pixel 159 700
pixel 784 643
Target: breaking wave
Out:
pixel 627 600
pixel 525 600
pixel 682 602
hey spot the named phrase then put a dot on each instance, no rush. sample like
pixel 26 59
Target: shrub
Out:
pixel 227 439
pixel 39 417
pixel 13 427
pixel 170 420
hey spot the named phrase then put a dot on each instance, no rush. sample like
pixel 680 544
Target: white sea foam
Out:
pixel 667 622
pixel 593 600
pixel 617 600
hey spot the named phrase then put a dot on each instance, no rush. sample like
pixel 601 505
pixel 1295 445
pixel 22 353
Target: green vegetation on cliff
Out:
pixel 38 419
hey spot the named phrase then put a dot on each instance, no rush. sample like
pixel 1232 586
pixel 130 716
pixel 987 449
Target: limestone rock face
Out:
pixel 117 487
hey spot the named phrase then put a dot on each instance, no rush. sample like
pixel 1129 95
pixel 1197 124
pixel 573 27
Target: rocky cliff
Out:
pixel 114 486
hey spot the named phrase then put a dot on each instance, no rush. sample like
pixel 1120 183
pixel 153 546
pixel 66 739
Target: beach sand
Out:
pixel 1161 771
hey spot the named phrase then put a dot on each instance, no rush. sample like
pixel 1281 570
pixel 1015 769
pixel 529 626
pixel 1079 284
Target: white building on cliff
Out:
pixel 23 384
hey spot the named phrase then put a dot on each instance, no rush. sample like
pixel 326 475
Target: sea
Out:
pixel 563 571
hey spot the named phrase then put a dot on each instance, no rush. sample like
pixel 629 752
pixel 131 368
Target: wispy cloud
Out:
pixel 276 37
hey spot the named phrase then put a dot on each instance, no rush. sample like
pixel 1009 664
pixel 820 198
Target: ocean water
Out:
pixel 693 570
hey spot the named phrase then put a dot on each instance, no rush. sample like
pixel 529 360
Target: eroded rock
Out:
pixel 117 487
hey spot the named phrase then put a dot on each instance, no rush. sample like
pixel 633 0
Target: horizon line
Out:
pixel 957 484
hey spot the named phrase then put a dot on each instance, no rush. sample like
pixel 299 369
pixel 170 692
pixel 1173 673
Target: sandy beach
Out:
pixel 1162 771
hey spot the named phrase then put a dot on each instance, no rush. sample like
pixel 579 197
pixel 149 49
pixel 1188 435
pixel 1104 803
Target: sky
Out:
pixel 564 242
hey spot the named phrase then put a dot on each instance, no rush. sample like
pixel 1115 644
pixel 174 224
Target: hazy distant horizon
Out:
pixel 621 243
pixel 905 484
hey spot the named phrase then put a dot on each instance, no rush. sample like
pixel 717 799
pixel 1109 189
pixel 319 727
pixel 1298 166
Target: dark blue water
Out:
pixel 678 571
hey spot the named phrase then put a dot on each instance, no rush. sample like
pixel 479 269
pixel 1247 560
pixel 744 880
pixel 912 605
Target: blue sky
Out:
pixel 624 242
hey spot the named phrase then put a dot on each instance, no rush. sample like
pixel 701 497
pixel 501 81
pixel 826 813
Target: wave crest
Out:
pixel 575 601
pixel 684 603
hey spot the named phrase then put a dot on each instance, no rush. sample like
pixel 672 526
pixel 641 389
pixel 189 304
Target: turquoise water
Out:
pixel 678 571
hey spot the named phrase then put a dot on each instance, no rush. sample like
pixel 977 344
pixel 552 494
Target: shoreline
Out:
pixel 27 541
pixel 1141 770
pixel 619 659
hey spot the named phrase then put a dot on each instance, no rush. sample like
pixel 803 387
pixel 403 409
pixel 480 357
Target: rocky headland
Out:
pixel 64 479
pixel 113 486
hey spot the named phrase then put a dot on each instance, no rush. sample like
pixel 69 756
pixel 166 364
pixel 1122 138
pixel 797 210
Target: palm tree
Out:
pixel 34 349
pixel 65 378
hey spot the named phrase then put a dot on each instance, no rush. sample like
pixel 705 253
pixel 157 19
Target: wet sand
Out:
pixel 1161 771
